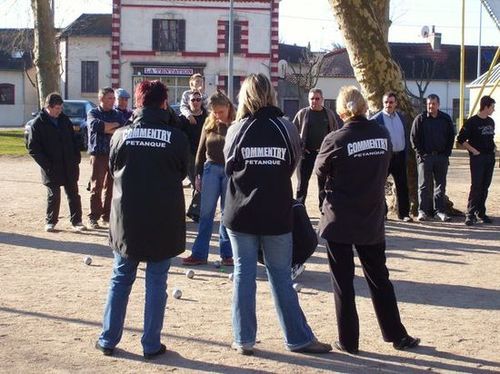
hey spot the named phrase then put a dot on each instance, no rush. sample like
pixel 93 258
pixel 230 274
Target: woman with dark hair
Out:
pixel 355 160
pixel 262 151
pixel 148 161
pixel 211 180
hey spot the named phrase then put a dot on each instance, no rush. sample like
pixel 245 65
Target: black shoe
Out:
pixel 469 221
pixel 406 343
pixel 151 356
pixel 105 351
pixel 194 217
pixel 341 347
pixel 485 219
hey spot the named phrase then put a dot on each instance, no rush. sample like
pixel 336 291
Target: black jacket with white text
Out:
pixel 261 153
pixel 355 159
pixel 148 161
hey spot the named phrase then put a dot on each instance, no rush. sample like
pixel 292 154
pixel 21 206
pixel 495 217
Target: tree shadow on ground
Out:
pixel 464 297
pixel 34 242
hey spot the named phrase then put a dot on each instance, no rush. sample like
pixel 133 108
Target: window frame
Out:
pixel 8 90
pixel 164 44
pixel 89 76
pixel 237 40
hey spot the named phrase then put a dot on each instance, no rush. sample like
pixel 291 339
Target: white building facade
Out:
pixel 171 40
pixel 18 97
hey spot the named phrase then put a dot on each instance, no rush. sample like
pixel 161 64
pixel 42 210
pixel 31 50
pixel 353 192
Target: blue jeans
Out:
pixel 124 272
pixel 213 186
pixel 278 258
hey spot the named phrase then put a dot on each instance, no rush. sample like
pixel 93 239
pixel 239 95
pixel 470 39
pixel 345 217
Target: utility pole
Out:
pixel 230 52
pixel 479 44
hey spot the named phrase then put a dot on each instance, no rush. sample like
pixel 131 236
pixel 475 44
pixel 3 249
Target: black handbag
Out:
pixel 305 239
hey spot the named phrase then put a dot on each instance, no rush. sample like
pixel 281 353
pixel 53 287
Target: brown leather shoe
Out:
pixel 314 347
pixel 193 261
pixel 228 261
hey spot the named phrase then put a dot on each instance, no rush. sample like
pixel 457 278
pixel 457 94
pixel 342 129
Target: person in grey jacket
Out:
pixel 355 160
pixel 314 123
pixel 148 162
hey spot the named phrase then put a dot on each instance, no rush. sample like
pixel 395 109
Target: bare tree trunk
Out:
pixel 365 26
pixel 45 49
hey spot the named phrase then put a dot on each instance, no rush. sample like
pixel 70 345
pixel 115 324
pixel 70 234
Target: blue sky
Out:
pixel 301 24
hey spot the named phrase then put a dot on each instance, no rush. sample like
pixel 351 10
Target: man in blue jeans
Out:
pixel 147 219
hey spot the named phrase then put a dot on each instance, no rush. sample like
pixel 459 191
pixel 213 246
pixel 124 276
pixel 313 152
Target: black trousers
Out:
pixel 397 168
pixel 372 258
pixel 304 172
pixel 481 173
pixel 54 202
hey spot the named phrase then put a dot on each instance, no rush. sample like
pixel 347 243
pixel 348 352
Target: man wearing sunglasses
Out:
pixel 314 123
pixel 193 132
pixel 394 122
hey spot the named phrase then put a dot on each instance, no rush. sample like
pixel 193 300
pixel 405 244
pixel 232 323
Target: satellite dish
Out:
pixel 282 67
pixel 424 33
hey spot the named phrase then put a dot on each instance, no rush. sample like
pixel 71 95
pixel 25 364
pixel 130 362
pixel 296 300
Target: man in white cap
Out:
pixel 121 104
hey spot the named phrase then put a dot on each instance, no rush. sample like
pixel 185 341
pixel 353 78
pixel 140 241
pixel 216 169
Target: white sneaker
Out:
pixel 297 270
pixel 443 217
pixel 79 227
pixel 50 227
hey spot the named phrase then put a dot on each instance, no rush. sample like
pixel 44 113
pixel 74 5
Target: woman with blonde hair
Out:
pixel 262 150
pixel 355 160
pixel 211 180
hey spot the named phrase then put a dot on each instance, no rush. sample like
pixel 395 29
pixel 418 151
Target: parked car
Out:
pixel 77 111
pixel 176 108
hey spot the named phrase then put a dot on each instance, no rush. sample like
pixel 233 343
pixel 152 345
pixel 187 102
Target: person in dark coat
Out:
pixel 193 132
pixel 148 162
pixel 432 136
pixel 355 160
pixel 53 145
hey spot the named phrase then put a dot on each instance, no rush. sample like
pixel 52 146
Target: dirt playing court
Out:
pixel 446 276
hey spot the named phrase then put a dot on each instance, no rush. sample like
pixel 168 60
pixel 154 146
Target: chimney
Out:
pixel 435 39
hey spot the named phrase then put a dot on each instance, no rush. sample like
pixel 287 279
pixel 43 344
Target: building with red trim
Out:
pixel 169 41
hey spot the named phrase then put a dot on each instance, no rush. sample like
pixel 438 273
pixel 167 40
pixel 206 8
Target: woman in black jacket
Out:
pixel 262 151
pixel 148 161
pixel 355 160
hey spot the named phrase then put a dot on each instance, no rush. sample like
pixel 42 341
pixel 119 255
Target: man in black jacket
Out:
pixel 148 161
pixel 52 143
pixel 432 136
